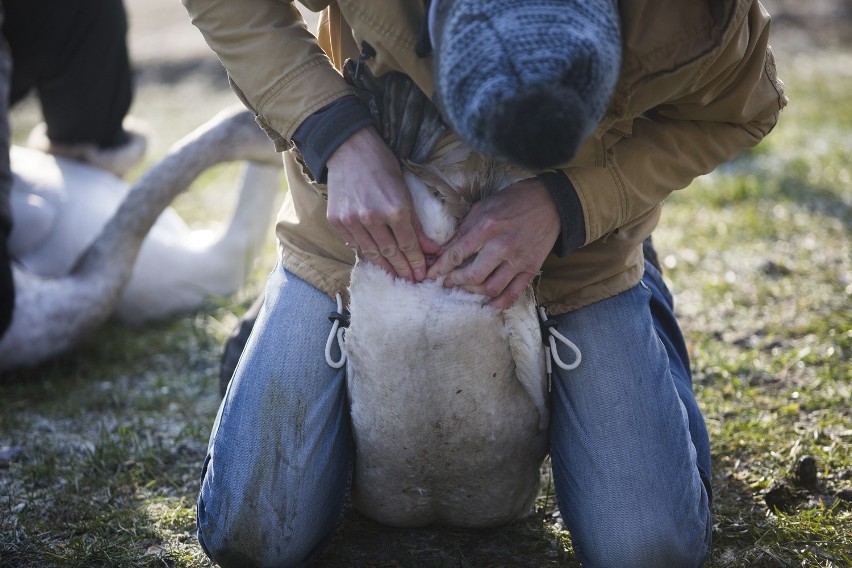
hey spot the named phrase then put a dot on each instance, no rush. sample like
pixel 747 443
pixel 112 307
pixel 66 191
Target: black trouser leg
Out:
pixel 74 53
pixel 7 285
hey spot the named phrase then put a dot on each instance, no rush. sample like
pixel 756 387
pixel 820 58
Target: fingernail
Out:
pixel 419 273
pixel 448 283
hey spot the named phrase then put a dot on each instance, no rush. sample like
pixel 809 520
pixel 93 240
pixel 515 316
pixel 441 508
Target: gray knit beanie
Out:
pixel 525 80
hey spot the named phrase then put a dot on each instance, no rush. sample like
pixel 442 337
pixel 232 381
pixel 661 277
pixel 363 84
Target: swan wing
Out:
pixel 524 338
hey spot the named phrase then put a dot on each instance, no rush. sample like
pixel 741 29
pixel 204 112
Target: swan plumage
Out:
pixel 448 395
pixel 76 265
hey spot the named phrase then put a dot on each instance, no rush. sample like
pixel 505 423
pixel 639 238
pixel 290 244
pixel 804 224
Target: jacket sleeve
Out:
pixel 731 104
pixel 274 63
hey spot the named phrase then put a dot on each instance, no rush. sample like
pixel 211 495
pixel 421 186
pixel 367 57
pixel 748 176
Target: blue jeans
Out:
pixel 630 453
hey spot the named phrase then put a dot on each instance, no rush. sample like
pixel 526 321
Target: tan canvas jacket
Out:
pixel 697 86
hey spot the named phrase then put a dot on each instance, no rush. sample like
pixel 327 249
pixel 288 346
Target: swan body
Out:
pixel 90 247
pixel 60 206
pixel 448 396
pixel 178 268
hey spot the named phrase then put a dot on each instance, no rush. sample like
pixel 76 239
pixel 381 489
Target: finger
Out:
pixel 454 254
pixel 479 268
pixel 341 229
pixel 389 249
pixel 427 245
pixel 486 281
pixel 430 249
pixel 347 237
pixel 512 292
pixel 368 249
pixel 405 236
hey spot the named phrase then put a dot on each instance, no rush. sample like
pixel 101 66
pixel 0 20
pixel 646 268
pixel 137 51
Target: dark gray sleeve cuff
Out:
pixel 573 233
pixel 322 132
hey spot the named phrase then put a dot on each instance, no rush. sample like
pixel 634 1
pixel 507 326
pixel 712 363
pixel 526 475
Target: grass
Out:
pixel 110 438
pixel 759 253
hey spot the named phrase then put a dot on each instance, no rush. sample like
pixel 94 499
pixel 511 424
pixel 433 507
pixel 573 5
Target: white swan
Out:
pixel 80 248
pixel 448 396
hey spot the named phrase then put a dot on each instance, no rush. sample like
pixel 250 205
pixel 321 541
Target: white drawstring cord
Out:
pixel 550 348
pixel 338 332
pixel 551 352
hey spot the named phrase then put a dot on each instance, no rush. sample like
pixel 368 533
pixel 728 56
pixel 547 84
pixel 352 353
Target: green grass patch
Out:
pixel 758 254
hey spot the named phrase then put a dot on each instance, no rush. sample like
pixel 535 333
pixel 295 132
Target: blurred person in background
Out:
pixel 73 55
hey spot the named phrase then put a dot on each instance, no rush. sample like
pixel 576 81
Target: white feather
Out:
pixel 448 395
pixel 54 313
pixel 61 205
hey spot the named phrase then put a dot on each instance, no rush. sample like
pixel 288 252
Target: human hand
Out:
pixel 7 287
pixel 501 244
pixel 370 206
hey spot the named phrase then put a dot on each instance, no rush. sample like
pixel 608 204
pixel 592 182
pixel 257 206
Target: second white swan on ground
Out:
pixel 71 276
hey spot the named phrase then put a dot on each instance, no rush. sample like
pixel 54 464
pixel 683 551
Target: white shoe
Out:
pixel 118 160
